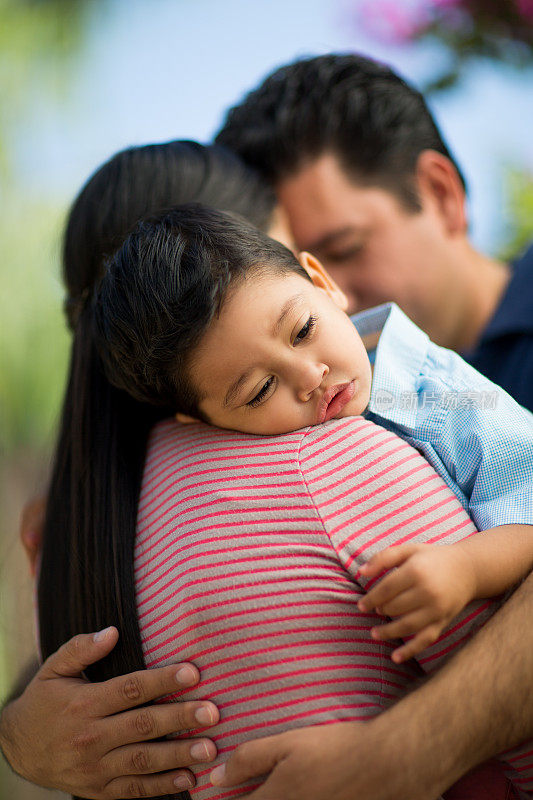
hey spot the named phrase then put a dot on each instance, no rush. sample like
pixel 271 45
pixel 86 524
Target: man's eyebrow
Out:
pixel 235 387
pixel 328 239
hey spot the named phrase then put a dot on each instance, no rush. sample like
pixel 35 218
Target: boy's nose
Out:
pixel 310 379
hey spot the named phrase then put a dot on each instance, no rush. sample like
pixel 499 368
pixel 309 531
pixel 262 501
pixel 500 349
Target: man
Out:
pixel 370 188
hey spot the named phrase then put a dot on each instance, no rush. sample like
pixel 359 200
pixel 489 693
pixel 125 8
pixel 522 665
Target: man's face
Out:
pixel 373 247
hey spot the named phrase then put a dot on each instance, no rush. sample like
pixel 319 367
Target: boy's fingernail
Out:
pixel 103 634
pixel 186 676
pixel 218 774
pixel 183 782
pixel 205 716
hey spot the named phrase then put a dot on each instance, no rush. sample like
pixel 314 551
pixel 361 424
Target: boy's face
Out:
pixel 281 356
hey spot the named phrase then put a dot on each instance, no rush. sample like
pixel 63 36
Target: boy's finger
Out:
pixel 383 592
pixel 404 626
pixel 404 603
pixel 136 688
pixel 78 653
pixel 416 645
pixel 387 559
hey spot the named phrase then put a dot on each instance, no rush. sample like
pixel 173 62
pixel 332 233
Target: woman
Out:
pixel 89 542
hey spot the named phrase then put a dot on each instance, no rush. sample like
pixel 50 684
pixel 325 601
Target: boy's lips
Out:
pixel 334 399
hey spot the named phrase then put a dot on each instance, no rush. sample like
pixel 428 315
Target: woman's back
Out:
pixel 246 556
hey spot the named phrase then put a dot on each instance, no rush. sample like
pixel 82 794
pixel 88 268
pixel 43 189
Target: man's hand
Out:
pixel 345 761
pixel 90 739
pixel 427 587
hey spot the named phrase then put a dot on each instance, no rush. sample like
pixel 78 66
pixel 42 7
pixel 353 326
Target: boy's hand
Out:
pixel 428 587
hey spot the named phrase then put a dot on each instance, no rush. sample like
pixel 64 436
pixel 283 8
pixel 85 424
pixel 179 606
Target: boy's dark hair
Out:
pixel 358 109
pixel 161 290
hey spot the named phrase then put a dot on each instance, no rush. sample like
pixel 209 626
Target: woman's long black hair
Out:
pixel 86 577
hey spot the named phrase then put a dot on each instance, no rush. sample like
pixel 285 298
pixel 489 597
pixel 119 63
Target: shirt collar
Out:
pixel 515 311
pixel 401 353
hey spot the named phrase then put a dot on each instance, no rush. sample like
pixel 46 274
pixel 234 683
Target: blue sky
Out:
pixel 150 71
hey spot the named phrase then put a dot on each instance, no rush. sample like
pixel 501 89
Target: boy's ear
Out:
pixel 185 419
pixel 322 279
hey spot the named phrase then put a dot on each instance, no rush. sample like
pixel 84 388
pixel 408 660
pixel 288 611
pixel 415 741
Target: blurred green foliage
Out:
pixel 39 40
pixel 519 213
pixel 33 334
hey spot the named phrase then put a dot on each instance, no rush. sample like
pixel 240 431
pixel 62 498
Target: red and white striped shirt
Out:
pixel 246 563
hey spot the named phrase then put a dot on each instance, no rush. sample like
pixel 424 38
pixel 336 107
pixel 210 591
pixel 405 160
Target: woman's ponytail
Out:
pixel 89 534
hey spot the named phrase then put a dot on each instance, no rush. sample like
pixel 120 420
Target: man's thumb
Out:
pixel 250 760
pixel 78 653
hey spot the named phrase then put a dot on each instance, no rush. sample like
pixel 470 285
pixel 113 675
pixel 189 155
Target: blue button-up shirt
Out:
pixel 472 432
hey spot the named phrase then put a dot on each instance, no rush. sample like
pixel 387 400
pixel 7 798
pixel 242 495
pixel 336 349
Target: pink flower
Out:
pixel 525 7
pixel 391 21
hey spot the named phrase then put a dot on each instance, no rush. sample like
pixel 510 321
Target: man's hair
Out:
pixel 358 109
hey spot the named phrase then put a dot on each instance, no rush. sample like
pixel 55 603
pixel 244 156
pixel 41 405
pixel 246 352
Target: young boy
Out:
pixel 282 355
pixel 200 312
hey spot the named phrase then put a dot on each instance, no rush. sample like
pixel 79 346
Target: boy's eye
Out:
pixel 261 394
pixel 305 331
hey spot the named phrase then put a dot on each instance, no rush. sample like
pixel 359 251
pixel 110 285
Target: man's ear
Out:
pixel 322 279
pixel 439 184
pixel 185 419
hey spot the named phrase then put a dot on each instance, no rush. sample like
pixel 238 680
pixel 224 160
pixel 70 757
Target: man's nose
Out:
pixel 309 378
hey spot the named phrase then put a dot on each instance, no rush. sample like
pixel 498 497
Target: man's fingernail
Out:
pixel 218 774
pixel 186 676
pixel 103 634
pixel 199 752
pixel 205 716
pixel 183 782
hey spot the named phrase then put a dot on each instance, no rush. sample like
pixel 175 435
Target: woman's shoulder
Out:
pixel 178 439
pixel 349 438
pixel 196 447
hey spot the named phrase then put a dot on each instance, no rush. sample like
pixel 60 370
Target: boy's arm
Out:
pixel 500 558
pixel 478 704
pixel 485 442
pixel 429 585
